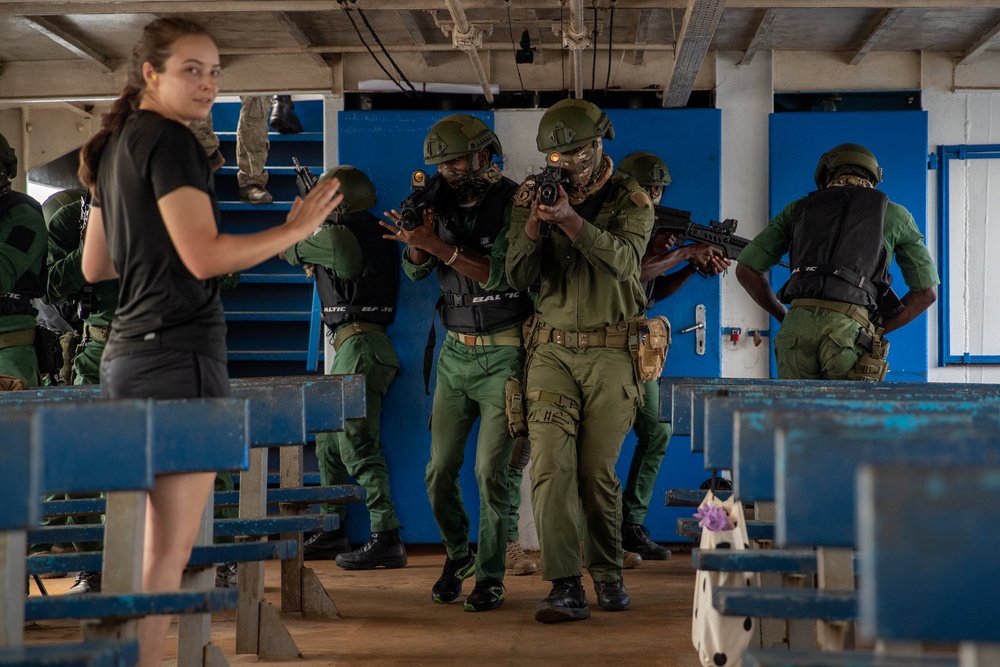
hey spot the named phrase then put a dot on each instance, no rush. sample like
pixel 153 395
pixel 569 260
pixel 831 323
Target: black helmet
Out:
pixel 843 155
pixel 457 135
pixel 8 158
pixel 357 188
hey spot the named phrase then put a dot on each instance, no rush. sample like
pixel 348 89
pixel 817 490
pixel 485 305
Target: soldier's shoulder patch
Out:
pixel 641 199
pixel 525 193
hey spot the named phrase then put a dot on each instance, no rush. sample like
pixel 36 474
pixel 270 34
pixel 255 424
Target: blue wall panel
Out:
pixel 899 141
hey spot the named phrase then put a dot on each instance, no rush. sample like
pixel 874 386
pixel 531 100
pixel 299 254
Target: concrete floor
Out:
pixel 388 619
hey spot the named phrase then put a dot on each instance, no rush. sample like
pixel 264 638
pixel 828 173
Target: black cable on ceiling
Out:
pixel 372 53
pixel 510 30
pixel 611 38
pixel 382 46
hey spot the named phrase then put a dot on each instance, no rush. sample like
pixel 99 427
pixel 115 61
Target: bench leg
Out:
pixel 316 602
pixel 194 631
pixel 291 569
pixel 835 571
pixel 275 643
pixel 13 547
pixel 973 654
pixel 124 539
pixel 250 576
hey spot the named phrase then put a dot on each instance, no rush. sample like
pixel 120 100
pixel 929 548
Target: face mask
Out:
pixel 456 178
pixel 579 165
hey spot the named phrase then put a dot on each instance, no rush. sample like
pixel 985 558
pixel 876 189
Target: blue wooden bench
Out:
pixel 117 447
pixel 814 493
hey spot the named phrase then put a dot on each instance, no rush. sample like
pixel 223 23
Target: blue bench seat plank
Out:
pixel 815 473
pixel 782 658
pixel 219 441
pixel 304 494
pixel 754 560
pixel 808 603
pixel 930 552
pixel 756 530
pixel 255 527
pixel 721 427
pixel 215 554
pixel 80 654
pixel 129 605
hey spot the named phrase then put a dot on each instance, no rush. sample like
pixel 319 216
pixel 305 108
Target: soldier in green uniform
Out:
pixel 357 275
pixel 652 435
pixel 97 304
pixel 22 270
pixel 462 239
pixel 842 239
pixel 582 386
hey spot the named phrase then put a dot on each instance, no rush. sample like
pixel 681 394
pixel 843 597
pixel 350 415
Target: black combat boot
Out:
pixel 384 549
pixel 283 118
pixel 326 545
pixel 635 538
pixel 611 596
pixel 566 602
pixel 449 585
pixel 86 582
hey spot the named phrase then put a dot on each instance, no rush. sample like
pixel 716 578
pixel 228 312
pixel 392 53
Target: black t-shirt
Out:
pixel 161 304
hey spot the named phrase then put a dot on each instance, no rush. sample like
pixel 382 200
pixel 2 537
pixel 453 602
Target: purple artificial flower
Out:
pixel 712 517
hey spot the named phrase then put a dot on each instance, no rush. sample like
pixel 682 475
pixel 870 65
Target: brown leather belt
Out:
pixel 353 329
pixel 17 338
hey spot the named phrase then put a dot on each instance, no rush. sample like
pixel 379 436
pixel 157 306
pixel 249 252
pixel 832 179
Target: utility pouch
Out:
pixel 649 345
pixel 517 423
pixel 873 364
pixel 48 350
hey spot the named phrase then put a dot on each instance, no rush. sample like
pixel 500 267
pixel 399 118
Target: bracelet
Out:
pixel 452 259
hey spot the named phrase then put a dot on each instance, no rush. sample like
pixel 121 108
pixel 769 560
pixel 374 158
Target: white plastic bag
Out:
pixel 719 639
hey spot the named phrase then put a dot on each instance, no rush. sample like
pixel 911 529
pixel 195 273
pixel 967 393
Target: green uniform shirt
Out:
pixel 334 247
pixel 65 279
pixel 467 219
pixel 22 250
pixel 900 233
pixel 591 282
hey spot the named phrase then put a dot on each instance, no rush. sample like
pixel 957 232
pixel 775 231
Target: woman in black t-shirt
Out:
pixel 155 226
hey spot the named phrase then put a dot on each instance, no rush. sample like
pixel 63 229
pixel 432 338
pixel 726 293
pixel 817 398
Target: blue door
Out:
pixel 899 141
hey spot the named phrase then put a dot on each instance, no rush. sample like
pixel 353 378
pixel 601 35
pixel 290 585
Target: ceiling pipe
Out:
pixel 576 40
pixel 469 38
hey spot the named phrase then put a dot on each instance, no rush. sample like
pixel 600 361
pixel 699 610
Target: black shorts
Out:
pixel 164 374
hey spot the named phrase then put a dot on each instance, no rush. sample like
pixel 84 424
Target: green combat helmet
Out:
pixel 457 135
pixel 357 188
pixel 569 124
pixel 8 158
pixel 646 168
pixel 845 155
pixel 58 200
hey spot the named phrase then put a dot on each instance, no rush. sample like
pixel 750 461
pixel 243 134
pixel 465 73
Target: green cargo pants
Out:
pixel 357 451
pixel 21 362
pixel 87 364
pixel 580 406
pixel 653 436
pixel 816 345
pixel 470 385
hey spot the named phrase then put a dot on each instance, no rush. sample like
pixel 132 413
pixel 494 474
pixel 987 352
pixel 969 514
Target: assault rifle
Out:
pixel 719 234
pixel 427 193
pixel 303 177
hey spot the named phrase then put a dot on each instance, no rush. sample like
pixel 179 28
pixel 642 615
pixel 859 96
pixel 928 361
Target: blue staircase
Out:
pixel 273 315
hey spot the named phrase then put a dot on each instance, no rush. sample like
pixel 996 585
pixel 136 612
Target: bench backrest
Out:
pixel 929 552
pixel 815 470
pixel 754 419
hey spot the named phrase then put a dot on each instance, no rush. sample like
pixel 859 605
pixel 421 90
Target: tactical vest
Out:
pixel 838 251
pixel 29 285
pixel 372 297
pixel 465 306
